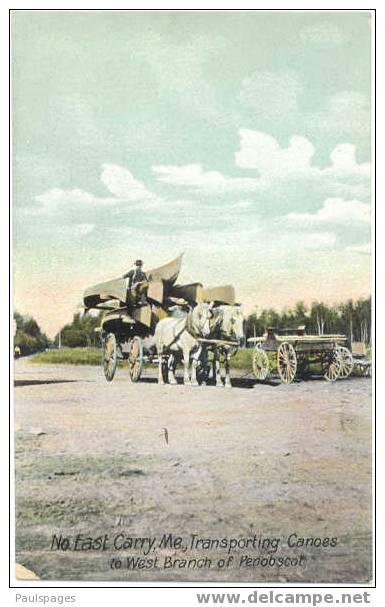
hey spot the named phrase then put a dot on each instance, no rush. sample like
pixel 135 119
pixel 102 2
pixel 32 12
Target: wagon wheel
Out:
pixel 135 358
pixel 110 356
pixel 286 362
pixel 332 366
pixel 346 360
pixel 260 364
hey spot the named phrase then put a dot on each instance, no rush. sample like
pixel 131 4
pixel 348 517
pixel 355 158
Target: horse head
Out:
pixel 233 323
pixel 201 317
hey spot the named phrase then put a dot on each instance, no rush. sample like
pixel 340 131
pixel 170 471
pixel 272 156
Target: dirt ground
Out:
pixel 121 460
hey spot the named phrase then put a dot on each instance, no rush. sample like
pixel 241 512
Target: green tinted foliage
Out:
pixel 80 333
pixel 351 318
pixel 69 356
pixel 28 336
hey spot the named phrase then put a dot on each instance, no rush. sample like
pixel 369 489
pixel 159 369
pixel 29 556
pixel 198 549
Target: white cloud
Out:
pixel 348 190
pixel 297 241
pixel 120 231
pixel 274 166
pixel 118 180
pixel 77 229
pixel 365 249
pixel 336 211
pixel 81 229
pixel 56 197
pixel 344 163
pixel 242 204
pixel 262 152
pixel 122 184
pixel 345 177
pixel 194 177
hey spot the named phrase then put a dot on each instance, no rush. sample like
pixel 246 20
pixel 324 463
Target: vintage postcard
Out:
pixel 192 346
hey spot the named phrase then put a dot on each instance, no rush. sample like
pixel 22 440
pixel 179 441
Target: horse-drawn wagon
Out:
pixel 127 325
pixel 297 353
pixel 139 324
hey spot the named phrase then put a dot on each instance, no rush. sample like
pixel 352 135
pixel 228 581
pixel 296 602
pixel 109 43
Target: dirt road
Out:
pixel 230 467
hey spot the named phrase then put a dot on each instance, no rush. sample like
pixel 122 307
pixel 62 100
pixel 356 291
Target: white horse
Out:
pixel 179 335
pixel 229 326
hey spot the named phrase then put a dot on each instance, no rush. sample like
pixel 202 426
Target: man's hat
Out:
pixel 179 301
pixel 138 262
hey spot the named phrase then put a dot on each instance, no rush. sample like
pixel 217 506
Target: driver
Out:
pixel 136 274
pixel 135 277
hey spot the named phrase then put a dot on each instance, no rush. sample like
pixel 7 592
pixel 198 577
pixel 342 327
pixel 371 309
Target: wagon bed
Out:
pixel 295 351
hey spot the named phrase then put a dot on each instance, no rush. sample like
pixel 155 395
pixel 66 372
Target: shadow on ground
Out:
pixel 37 382
pixel 237 382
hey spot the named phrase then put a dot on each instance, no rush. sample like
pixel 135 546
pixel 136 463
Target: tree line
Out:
pixel 352 318
pixel 80 332
pixel 28 337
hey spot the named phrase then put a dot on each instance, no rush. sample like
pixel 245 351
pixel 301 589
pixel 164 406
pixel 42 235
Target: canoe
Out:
pixel 117 289
pixel 105 291
pixel 168 273
pixel 191 292
pixel 222 295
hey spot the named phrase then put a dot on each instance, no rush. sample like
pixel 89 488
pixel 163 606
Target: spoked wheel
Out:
pixel 110 356
pixel 286 362
pixel 346 359
pixel 135 358
pixel 331 366
pixel 260 364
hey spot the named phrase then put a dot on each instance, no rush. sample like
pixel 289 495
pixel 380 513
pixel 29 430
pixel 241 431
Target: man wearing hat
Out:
pixel 135 276
pixel 179 308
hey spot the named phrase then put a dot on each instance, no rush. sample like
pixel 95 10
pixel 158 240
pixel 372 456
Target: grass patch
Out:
pixel 242 360
pixel 69 356
pixel 92 356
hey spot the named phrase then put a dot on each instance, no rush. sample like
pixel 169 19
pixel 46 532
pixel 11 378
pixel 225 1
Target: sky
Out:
pixel 239 138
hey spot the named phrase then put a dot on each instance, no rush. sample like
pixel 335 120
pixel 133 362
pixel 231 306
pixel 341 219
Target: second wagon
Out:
pixel 297 352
